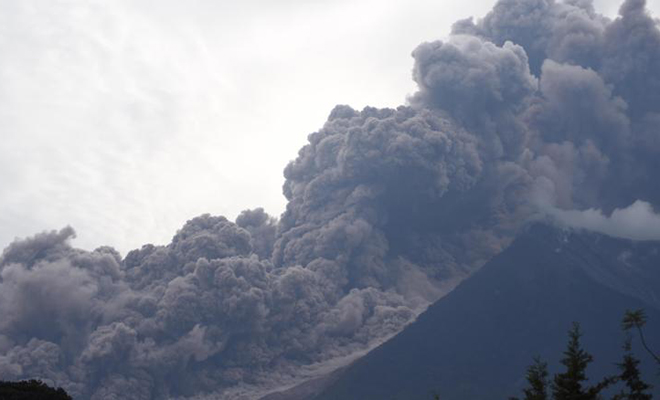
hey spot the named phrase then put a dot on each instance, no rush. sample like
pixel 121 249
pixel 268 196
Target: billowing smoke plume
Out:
pixel 538 106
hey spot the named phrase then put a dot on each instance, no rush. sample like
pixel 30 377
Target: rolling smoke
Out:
pixel 539 107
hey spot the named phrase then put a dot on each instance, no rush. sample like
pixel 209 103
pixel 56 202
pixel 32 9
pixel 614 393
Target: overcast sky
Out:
pixel 124 119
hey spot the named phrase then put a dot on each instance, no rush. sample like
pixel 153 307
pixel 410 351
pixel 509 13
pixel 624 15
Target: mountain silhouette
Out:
pixel 476 342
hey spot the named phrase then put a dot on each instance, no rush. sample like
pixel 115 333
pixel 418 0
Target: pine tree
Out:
pixel 537 378
pixel 569 385
pixel 637 319
pixel 636 388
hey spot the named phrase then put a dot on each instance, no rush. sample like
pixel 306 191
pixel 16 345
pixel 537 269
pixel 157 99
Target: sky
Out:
pixel 124 119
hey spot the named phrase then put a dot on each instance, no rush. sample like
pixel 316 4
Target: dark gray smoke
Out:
pixel 540 107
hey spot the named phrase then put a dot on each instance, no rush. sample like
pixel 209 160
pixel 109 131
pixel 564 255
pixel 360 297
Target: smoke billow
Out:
pixel 539 107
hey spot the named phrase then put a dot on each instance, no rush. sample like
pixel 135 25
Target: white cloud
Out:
pixel 637 221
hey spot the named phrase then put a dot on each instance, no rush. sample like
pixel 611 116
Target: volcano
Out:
pixel 476 342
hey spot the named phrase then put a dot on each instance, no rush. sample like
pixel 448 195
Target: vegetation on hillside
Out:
pixel 31 390
pixel 572 382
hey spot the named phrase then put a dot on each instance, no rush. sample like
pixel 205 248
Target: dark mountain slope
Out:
pixel 476 342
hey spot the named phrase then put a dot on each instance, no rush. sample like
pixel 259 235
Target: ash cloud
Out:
pixel 539 107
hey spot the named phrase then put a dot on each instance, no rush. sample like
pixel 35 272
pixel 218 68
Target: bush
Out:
pixel 31 390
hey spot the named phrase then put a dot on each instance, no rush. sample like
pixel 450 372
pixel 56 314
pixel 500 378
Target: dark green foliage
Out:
pixel 537 379
pixel 637 319
pixel 633 319
pixel 31 390
pixel 570 384
pixel 636 388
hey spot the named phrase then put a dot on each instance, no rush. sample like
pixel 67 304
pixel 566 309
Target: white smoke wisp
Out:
pixel 636 222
